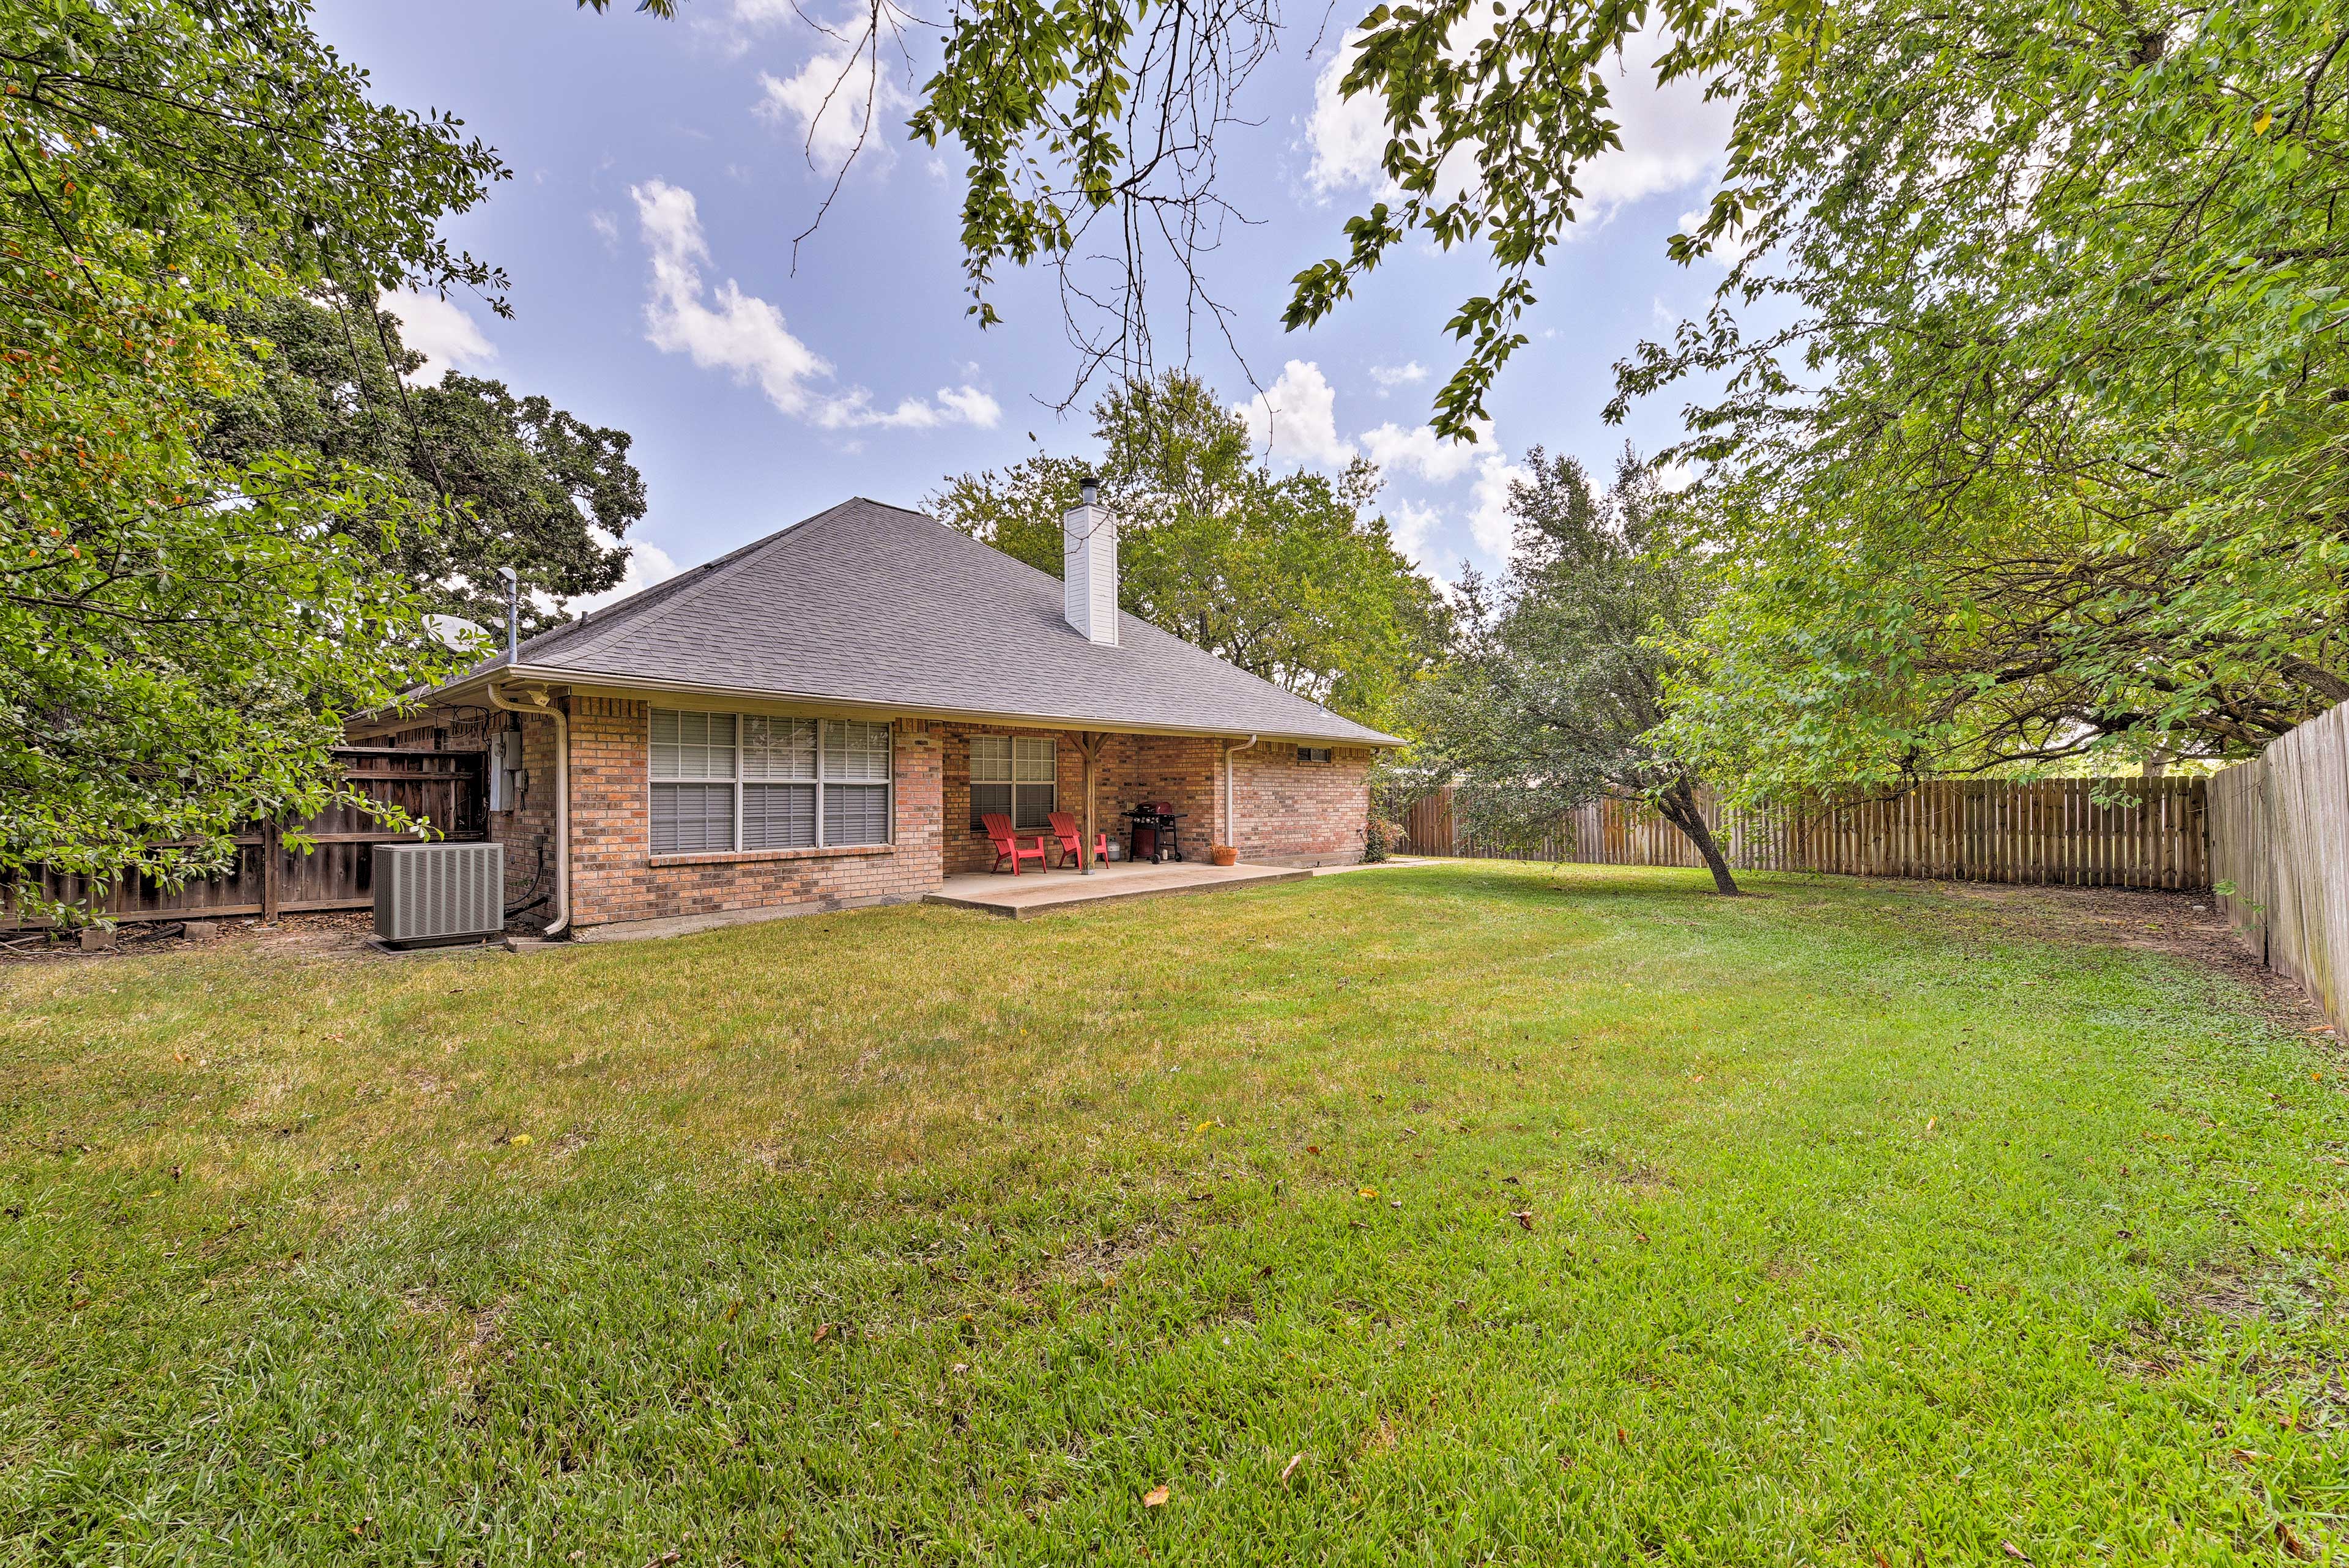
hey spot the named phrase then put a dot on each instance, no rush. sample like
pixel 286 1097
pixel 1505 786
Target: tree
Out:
pixel 1554 692
pixel 180 637
pixel 2025 381
pixel 516 480
pixel 1283 575
pixel 2047 466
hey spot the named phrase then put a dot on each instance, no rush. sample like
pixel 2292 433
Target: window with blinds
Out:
pixel 779 783
pixel 693 782
pixel 855 783
pixel 1014 774
pixel 758 781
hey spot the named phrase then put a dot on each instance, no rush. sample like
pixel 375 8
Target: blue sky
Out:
pixel 662 169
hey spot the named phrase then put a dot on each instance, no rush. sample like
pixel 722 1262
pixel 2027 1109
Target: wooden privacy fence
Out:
pixel 2148 833
pixel 2280 856
pixel 269 879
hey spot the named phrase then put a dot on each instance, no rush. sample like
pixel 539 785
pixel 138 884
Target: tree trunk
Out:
pixel 1680 808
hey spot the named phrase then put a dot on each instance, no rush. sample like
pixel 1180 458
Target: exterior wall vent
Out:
pixel 428 893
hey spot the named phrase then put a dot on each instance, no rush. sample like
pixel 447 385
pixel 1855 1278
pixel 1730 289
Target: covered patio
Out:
pixel 1037 893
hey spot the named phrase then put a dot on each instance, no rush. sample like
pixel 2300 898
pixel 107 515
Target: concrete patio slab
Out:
pixel 1037 893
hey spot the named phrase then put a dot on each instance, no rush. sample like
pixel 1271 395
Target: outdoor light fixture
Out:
pixel 1089 489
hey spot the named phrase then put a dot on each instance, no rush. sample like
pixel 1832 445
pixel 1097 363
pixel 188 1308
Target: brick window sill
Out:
pixel 741 857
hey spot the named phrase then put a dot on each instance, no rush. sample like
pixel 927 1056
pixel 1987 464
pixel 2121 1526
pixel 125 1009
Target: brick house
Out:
pixel 819 719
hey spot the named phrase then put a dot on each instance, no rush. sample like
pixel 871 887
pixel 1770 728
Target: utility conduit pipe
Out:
pixel 1231 798
pixel 539 703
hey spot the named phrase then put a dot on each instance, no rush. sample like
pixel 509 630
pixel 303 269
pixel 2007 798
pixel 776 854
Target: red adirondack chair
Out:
pixel 1007 848
pixel 1073 839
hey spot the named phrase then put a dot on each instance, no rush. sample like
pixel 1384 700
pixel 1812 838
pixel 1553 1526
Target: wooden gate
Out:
pixel 270 878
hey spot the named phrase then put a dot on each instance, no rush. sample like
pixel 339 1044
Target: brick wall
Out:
pixel 1298 812
pixel 1178 769
pixel 1289 811
pixel 527 829
pixel 615 876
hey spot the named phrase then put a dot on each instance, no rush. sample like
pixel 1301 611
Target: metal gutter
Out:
pixel 557 676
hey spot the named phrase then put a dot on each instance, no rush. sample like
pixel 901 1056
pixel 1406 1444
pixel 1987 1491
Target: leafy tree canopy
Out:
pixel 2023 395
pixel 516 480
pixel 1286 575
pixel 182 635
pixel 1554 694
pixel 2046 462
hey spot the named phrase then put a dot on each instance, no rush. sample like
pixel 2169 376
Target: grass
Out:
pixel 1548 1216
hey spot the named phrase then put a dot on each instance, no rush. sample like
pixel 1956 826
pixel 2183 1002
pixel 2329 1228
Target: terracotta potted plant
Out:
pixel 1223 855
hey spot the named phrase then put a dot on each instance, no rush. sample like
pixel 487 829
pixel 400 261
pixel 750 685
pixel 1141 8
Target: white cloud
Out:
pixel 742 333
pixel 1390 377
pixel 1347 134
pixel 1489 523
pixel 955 405
pixel 647 565
pixel 723 328
pixel 606 226
pixel 1412 525
pixel 441 330
pixel 1421 451
pixel 971 406
pixel 735 29
pixel 1295 417
pixel 1432 458
pixel 824 103
pixel 1672 137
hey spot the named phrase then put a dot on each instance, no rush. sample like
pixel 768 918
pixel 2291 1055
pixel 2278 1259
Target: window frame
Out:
pixel 705 779
pixel 824 781
pixel 1050 782
pixel 1317 754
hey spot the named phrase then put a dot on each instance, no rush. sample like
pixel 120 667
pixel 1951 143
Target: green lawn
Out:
pixel 1550 1217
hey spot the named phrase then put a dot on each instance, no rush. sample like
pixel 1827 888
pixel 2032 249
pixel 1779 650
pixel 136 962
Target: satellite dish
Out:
pixel 456 634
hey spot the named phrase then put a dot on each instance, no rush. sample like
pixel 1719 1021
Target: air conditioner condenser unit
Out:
pixel 426 894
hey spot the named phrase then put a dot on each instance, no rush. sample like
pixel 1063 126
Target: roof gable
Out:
pixel 870 603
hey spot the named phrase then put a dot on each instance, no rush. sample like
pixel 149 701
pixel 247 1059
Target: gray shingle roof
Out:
pixel 873 604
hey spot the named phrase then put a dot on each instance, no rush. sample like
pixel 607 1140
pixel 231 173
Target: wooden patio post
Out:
pixel 1088 746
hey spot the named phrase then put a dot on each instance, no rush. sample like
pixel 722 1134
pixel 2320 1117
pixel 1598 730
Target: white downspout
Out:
pixel 539 704
pixel 1231 798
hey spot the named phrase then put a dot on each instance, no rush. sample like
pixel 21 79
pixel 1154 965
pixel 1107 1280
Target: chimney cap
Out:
pixel 1088 489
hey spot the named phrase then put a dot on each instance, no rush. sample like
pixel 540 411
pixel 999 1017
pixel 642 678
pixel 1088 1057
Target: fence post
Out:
pixel 269 872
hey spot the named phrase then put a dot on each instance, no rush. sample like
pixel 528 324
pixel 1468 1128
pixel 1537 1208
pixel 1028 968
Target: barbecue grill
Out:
pixel 1157 834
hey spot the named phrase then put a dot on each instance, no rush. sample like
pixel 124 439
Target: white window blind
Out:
pixel 784 748
pixel 855 751
pixel 856 781
pixel 759 781
pixel 779 783
pixel 779 815
pixel 693 788
pixel 1016 775
pixel 692 746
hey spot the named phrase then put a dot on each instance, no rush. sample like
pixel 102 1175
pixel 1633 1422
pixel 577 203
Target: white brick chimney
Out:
pixel 1089 567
